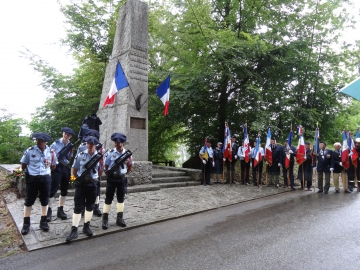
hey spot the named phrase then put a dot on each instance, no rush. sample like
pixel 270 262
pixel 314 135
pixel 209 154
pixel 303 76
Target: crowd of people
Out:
pixel 48 169
pixel 310 173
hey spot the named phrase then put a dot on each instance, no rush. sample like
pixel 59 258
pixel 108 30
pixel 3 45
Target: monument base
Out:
pixel 141 173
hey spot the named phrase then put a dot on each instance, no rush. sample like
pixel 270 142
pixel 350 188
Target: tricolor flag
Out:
pixel 353 153
pixel 268 152
pixel 227 149
pixel 163 92
pixel 118 83
pixel 258 155
pixel 246 144
pixel 300 152
pixel 345 152
pixel 287 158
pixel 316 145
pixel 205 151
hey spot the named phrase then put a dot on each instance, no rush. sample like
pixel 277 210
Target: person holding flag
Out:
pixel 206 155
pixel 231 161
pixel 323 167
pixel 289 152
pixel 353 163
pixel 218 159
pixel 257 154
pixel 338 166
pixel 244 156
pixel 306 168
pixel 277 160
pixel 357 147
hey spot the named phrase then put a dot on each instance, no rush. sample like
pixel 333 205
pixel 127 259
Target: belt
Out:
pixel 39 176
pixel 118 176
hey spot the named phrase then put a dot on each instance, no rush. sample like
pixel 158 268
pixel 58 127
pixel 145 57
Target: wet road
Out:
pixel 294 230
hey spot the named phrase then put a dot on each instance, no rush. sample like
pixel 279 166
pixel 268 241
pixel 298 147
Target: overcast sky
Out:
pixel 38 26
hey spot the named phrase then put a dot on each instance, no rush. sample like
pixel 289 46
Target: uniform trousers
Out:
pixel 85 196
pixel 118 184
pixel 343 178
pixel 206 171
pixel 245 170
pixel 60 177
pixel 321 180
pixel 37 185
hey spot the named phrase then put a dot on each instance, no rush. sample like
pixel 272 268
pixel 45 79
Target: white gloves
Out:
pixel 235 156
pixel 266 163
pixel 279 164
pixel 291 151
pixel 224 159
pixel 331 169
pixel 314 168
pixel 250 164
pixel 213 164
pixel 340 164
pixel 204 161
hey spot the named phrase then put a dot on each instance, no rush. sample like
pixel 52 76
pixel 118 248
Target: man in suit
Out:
pixel 323 167
pixel 277 160
pixel 337 168
pixel 230 166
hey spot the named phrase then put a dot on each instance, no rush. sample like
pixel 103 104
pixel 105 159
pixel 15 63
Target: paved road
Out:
pixel 294 230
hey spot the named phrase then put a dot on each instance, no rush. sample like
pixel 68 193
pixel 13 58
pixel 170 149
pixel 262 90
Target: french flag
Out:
pixel 258 156
pixel 345 152
pixel 227 149
pixel 118 83
pixel 353 153
pixel 287 159
pixel 300 151
pixel 163 92
pixel 246 144
pixel 268 152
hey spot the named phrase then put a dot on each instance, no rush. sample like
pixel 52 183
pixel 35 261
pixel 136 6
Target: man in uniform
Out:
pixel 82 147
pixel 323 167
pixel 206 155
pixel 256 171
pixel 86 190
pixel 244 166
pixel 307 168
pixel 288 172
pixel 337 168
pixel 61 175
pixel 230 166
pixel 277 160
pixel 116 181
pixel 37 162
pixel 218 159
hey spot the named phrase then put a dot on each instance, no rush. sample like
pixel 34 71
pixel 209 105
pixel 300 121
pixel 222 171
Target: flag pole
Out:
pixel 223 173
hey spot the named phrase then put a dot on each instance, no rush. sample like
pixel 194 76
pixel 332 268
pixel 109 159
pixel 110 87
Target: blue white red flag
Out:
pixel 316 148
pixel 287 158
pixel 117 84
pixel 300 151
pixel 345 151
pixel 246 144
pixel 353 153
pixel 268 152
pixel 227 149
pixel 258 155
pixel 163 92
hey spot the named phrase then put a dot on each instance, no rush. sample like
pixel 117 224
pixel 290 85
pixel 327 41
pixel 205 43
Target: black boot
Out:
pixel 86 229
pixel 119 220
pixel 43 224
pixel 48 215
pixel 60 213
pixel 26 226
pixel 97 211
pixel 73 234
pixel 105 220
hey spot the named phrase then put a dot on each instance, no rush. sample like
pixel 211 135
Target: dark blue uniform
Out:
pixel 323 167
pixel 289 172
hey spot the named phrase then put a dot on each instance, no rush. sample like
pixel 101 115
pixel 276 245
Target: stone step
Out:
pixel 164 173
pixel 145 188
pixel 171 179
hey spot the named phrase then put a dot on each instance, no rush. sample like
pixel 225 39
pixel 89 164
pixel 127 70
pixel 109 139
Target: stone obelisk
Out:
pixel 129 113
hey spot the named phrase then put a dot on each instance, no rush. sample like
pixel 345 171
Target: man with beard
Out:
pixel 277 160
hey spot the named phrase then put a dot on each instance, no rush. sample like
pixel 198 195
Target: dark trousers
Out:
pixel 37 185
pixel 206 171
pixel 230 170
pixel 245 170
pixel 257 171
pixel 85 196
pixel 60 177
pixel 120 185
pixel 321 179
pixel 288 173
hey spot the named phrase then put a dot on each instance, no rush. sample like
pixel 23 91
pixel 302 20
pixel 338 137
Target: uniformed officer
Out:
pixel 85 192
pixel 61 175
pixel 337 168
pixel 82 147
pixel 288 172
pixel 206 154
pixel 218 159
pixel 244 166
pixel 323 167
pixel 256 171
pixel 307 167
pixel 230 166
pixel 277 160
pixel 37 162
pixel 116 181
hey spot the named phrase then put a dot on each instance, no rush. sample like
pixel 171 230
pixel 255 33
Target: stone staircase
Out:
pixel 162 177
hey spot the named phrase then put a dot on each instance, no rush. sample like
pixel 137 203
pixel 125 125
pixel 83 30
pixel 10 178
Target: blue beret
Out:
pixel 92 132
pixel 273 138
pixel 91 139
pixel 68 130
pixel 118 137
pixel 42 136
pixel 308 143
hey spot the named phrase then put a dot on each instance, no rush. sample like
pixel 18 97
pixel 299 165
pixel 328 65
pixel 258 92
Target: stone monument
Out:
pixel 129 113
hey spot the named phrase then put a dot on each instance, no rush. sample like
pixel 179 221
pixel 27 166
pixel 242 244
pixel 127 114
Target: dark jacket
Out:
pixel 277 157
pixel 292 156
pixel 307 166
pixel 323 161
pixel 335 162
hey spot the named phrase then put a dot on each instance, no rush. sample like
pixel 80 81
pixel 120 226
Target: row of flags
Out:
pixel 120 82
